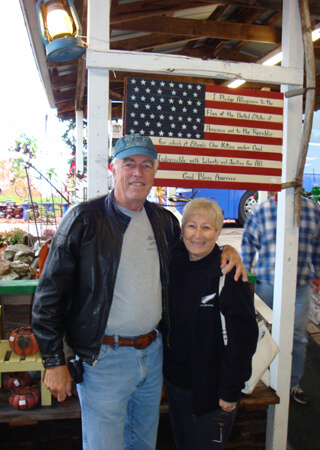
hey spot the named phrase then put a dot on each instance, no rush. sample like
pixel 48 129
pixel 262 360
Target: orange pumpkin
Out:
pixel 23 342
pixel 15 380
pixel 44 251
pixel 24 398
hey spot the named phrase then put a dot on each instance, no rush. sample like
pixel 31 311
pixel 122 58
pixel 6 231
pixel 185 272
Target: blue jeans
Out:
pixel 301 319
pixel 196 433
pixel 120 398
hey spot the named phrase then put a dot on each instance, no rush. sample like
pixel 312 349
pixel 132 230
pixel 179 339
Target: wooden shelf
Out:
pixel 260 398
pixel 18 287
pixel 70 409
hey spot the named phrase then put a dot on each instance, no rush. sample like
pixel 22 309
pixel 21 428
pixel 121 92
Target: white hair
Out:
pixel 200 205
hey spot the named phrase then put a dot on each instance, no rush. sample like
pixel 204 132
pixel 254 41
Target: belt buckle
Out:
pixel 142 342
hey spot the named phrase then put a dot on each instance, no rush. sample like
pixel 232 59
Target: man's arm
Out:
pixel 53 295
pixel 230 258
pixel 58 380
pixel 51 301
pixel 250 241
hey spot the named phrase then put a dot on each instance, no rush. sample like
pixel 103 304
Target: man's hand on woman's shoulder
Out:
pixel 230 258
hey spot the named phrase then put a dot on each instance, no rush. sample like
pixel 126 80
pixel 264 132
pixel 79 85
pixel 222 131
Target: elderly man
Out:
pixel 105 288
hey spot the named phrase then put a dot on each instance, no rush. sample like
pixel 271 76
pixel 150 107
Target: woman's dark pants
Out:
pixel 196 433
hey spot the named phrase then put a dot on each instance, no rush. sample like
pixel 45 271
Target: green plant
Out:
pixel 26 147
pixel 51 174
pixel 49 215
pixel 68 136
pixel 14 236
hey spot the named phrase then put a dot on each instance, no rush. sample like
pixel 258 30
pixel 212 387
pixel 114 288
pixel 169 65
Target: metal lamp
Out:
pixel 60 29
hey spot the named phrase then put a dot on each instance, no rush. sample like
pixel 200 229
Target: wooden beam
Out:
pixel 81 70
pixel 58 82
pixel 245 15
pixel 231 55
pixel 154 40
pixel 127 12
pixel 81 84
pixel 65 96
pixel 275 18
pixel 66 65
pixel 217 13
pixel 148 8
pixel 116 111
pixel 273 5
pixel 66 107
pixel 314 7
pixel 221 49
pixel 115 95
pixel 151 63
pixel 120 76
pixel 204 28
pixel 150 41
pixel 203 52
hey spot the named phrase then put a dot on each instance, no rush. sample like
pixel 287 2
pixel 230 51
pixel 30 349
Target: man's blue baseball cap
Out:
pixel 134 144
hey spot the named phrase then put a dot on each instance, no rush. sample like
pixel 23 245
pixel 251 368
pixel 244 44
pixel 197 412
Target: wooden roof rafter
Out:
pixel 226 30
pixel 203 28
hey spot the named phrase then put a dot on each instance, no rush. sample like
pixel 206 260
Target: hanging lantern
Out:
pixel 60 29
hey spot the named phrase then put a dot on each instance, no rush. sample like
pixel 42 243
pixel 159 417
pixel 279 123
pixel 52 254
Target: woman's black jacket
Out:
pixel 75 290
pixel 217 371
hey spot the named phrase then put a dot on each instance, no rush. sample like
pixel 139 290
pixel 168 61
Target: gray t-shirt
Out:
pixel 136 307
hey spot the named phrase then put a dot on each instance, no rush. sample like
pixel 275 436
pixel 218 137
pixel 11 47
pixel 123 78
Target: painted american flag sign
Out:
pixel 208 136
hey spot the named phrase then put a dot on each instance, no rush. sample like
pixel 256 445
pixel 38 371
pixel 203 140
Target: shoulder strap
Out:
pixel 221 283
pixel 223 320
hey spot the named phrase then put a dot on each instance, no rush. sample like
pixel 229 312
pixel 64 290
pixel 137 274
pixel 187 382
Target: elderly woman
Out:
pixel 204 377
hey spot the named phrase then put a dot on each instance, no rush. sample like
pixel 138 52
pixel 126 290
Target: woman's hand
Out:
pixel 58 380
pixel 226 406
pixel 230 258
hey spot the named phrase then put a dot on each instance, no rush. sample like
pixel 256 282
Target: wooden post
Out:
pixel 98 98
pixel 79 154
pixel 287 236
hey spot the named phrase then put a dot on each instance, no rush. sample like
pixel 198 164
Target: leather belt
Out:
pixel 140 342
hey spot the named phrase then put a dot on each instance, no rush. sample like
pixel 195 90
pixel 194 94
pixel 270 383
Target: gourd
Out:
pixel 22 341
pixel 15 380
pixel 24 397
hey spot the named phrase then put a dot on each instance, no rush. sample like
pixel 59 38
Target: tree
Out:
pixel 69 140
pixel 68 135
pixel 11 187
pixel 20 180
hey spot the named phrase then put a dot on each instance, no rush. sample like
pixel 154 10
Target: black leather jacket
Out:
pixel 75 290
